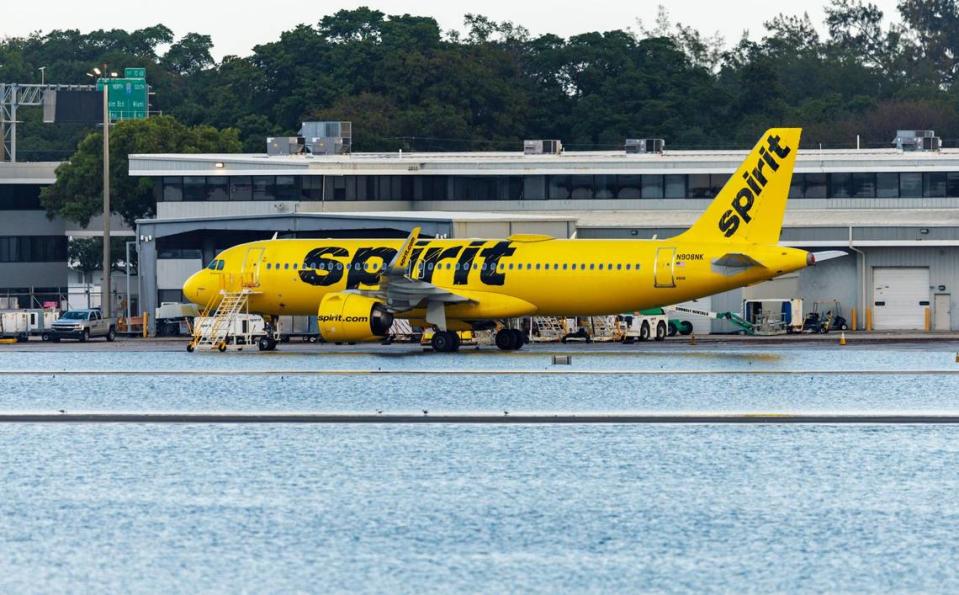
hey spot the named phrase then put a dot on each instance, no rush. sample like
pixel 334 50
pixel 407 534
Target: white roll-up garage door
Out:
pixel 900 298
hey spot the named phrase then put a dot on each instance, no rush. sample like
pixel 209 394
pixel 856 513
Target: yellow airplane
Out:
pixel 357 288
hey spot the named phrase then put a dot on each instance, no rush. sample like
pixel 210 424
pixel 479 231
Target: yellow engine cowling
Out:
pixel 351 317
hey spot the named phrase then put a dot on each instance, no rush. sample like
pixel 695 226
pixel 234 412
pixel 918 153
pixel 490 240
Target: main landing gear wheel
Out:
pixel 510 339
pixel 445 342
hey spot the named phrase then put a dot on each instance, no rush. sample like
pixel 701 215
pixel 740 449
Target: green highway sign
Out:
pixel 128 97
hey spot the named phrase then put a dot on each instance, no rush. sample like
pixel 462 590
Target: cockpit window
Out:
pixel 220 265
pixel 216 265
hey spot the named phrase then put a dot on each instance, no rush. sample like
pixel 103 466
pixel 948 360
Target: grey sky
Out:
pixel 239 25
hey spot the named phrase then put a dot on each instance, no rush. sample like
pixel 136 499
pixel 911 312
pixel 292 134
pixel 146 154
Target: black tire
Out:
pixel 111 335
pixel 519 339
pixel 673 331
pixel 190 347
pixel 505 340
pixel 685 327
pixel 644 331
pixel 661 331
pixel 264 344
pixel 85 336
pixel 444 342
pixel 45 337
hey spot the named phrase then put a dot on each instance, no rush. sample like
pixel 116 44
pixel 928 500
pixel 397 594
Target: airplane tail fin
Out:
pixel 750 207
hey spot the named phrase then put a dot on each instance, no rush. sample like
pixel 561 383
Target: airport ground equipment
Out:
pixel 298 327
pixel 228 322
pixel 15 324
pixel 239 331
pixel 174 318
pixel 643 325
pixel 547 329
pixel 830 316
pixel 41 321
pixel 774 316
pixel 745 327
pixel 83 325
pixel 591 328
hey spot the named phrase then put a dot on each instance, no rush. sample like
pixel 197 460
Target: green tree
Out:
pixel 77 193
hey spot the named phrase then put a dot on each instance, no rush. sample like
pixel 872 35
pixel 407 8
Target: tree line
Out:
pixel 407 84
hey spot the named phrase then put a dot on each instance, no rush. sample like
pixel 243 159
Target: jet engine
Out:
pixel 351 317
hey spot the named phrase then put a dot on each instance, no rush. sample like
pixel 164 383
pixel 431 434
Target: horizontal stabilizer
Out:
pixel 827 255
pixel 737 260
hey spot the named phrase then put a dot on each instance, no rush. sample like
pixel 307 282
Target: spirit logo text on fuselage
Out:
pixel 326 265
pixel 756 180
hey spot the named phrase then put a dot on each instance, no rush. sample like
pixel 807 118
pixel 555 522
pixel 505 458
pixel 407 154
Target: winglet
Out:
pixel 401 261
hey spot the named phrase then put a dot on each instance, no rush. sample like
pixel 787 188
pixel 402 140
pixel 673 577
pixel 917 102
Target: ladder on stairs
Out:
pixel 212 333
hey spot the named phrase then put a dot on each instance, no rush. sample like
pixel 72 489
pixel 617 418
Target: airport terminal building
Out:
pixel 893 211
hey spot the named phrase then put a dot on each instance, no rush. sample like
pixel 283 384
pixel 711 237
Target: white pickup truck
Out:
pixel 83 325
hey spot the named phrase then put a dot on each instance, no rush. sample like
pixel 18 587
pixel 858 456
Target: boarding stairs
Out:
pixel 213 336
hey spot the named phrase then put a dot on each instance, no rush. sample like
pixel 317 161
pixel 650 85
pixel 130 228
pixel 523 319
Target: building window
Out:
pixel 241 188
pixel 887 185
pixel 263 188
pixel 675 186
pixel 934 185
pixel 20 197
pixel 33 248
pixel 796 186
pixel 863 185
pixel 217 188
pixel 285 188
pixel 652 186
pixel 558 187
pixel 194 188
pixel 839 185
pixel 172 188
pixel 910 185
pixel 952 184
pixel 311 187
pixel 815 185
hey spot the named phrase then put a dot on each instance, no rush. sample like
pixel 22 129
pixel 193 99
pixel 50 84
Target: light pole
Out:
pixel 105 305
pixel 43 72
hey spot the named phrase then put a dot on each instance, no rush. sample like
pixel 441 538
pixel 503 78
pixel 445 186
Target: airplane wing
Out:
pixel 400 291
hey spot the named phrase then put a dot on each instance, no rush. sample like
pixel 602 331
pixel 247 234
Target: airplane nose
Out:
pixel 193 290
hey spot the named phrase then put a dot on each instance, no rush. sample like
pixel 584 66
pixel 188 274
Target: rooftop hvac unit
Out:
pixel 917 140
pixel 284 145
pixel 635 146
pixel 542 147
pixel 328 138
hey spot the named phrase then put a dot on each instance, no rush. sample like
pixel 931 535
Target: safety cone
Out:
pixel 692 341
pixel 842 338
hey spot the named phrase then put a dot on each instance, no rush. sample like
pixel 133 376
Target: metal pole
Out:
pixel 128 282
pixel 13 126
pixel 105 285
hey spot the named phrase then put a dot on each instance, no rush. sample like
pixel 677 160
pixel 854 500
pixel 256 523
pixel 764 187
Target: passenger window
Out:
pixel 591 266
pixel 267 266
pixel 511 266
pixel 619 267
pixel 537 266
pixel 294 266
pixel 286 265
pixel 637 267
pixel 564 266
pixel 600 266
pixel 627 267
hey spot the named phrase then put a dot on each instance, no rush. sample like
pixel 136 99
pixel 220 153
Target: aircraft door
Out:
pixel 250 273
pixel 663 273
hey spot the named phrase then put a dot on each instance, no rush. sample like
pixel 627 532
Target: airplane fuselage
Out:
pixel 518 276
